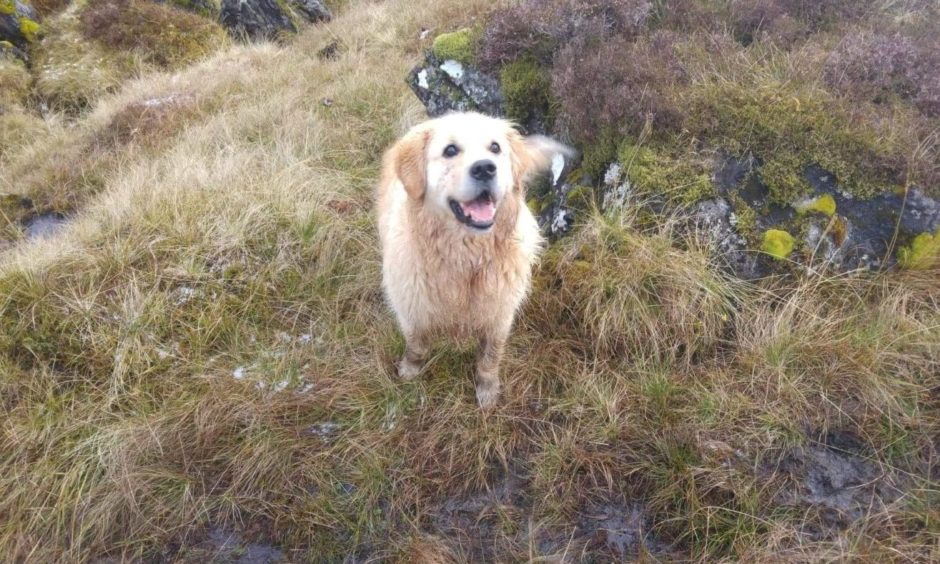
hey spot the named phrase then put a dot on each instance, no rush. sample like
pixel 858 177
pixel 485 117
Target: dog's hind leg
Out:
pixel 416 351
pixel 487 376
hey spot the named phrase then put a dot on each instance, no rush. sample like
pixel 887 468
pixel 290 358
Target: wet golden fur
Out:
pixel 440 276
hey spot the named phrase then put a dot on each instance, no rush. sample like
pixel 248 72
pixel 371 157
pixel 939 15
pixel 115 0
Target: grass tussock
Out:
pixel 206 345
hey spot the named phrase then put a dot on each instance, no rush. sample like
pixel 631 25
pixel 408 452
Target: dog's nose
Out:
pixel 483 170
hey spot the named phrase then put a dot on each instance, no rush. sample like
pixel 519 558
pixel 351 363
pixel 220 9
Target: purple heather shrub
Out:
pixel 539 28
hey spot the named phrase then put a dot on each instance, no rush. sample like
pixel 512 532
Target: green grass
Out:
pixel 206 345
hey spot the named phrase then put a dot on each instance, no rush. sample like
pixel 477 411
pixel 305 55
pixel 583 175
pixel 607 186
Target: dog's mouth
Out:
pixel 477 213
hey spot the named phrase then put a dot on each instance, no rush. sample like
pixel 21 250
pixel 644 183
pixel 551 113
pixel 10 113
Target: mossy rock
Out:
pixel 19 23
pixel 789 129
pixel 455 46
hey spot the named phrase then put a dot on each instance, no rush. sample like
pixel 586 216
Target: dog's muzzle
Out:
pixel 477 213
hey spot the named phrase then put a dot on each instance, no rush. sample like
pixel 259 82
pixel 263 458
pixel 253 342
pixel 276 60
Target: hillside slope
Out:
pixel 203 347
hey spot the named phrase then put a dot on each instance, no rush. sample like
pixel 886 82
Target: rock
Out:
pixel 255 19
pixel 312 10
pixel 266 19
pixel 868 226
pixel 716 220
pixel 444 86
pixel 18 23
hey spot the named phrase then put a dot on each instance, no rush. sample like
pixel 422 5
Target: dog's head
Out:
pixel 463 166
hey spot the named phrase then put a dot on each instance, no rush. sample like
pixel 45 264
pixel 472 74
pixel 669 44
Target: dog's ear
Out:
pixel 534 154
pixel 409 158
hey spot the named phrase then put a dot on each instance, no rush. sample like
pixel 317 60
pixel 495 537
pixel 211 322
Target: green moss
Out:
pixel 456 46
pixel 922 253
pixel 527 90
pixel 824 204
pixel 580 197
pixel 595 158
pixel 789 128
pixel 7 7
pixel 682 178
pixel 29 29
pixel 777 243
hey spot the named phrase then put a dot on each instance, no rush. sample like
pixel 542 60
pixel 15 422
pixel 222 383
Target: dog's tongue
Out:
pixel 480 210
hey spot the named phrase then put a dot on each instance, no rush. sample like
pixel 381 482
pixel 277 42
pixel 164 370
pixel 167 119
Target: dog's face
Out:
pixel 463 166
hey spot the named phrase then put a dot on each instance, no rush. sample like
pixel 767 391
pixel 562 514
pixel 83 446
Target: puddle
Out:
pixel 836 480
pixel 229 546
pixel 43 225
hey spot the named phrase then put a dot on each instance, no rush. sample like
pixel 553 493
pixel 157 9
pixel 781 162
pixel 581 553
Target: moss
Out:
pixel 7 7
pixel 681 178
pixel 527 90
pixel 580 197
pixel 922 253
pixel 29 29
pixel 596 157
pixel 777 243
pixel 456 46
pixel 789 128
pixel 824 204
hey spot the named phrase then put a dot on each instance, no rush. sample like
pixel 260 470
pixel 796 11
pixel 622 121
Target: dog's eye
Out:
pixel 451 150
pixel 494 148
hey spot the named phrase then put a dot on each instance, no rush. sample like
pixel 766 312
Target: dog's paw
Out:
pixel 488 395
pixel 408 370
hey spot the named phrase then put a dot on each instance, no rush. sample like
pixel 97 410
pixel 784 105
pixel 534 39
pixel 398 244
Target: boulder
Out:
pixel 267 19
pixel 19 23
pixel 450 85
pixel 311 10
pixel 255 19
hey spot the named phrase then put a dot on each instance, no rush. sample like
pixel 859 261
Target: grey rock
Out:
pixel 445 86
pixel 715 219
pixel 311 10
pixel 255 19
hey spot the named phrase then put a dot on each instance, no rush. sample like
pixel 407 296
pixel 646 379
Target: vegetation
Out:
pixel 778 243
pixel 455 46
pixel 206 346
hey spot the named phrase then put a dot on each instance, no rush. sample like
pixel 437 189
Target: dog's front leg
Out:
pixel 416 351
pixel 490 354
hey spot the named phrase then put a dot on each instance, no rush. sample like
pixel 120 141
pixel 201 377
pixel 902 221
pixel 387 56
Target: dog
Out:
pixel 458 241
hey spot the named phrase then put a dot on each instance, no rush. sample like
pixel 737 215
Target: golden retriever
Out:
pixel 458 241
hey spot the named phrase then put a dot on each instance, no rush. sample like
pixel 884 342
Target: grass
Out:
pixel 206 345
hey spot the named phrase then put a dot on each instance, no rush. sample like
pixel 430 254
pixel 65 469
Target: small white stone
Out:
pixel 239 373
pixel 452 68
pixel 423 79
